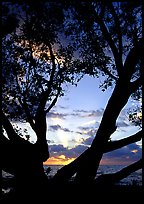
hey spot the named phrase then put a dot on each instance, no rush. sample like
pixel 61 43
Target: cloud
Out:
pixel 88 131
pixel 54 149
pixel 88 141
pixel 59 160
pixel 50 141
pixel 88 114
pixel 58 127
pixel 127 154
pixel 97 113
pixel 79 149
pixel 62 107
pixel 56 115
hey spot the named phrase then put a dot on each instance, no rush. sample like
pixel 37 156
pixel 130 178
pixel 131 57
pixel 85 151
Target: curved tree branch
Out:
pixel 123 173
pixel 123 142
pixel 110 42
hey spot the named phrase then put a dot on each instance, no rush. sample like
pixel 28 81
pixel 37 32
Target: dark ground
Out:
pixel 78 193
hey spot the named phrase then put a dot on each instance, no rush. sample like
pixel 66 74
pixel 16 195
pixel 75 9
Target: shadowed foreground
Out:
pixel 74 192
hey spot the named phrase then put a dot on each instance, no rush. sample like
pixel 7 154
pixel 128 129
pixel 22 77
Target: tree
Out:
pixel 109 39
pixel 36 67
pixel 34 75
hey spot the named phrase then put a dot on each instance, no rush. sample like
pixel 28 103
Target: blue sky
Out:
pixel 73 122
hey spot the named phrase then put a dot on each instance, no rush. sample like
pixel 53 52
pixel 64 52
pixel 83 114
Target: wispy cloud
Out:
pixel 58 127
pixel 56 115
pixel 89 113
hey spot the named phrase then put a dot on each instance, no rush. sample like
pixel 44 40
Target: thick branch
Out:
pixel 9 129
pixel 40 117
pixel 123 173
pixel 123 142
pixel 40 125
pixel 69 170
pixel 111 113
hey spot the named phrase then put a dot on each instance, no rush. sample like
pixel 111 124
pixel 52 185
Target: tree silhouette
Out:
pixel 108 36
pixel 33 75
pixel 108 40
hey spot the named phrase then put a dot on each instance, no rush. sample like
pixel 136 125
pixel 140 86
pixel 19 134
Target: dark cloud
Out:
pixel 97 113
pixel 84 128
pixel 63 107
pixel 79 149
pixel 87 131
pixel 131 152
pixel 76 113
pixel 57 150
pixel 56 115
pixel 58 127
pixel 88 114
pixel 50 141
pixel 134 146
pixel 54 127
pixel 88 141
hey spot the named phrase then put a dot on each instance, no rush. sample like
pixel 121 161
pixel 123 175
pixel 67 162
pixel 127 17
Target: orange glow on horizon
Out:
pixel 134 151
pixel 63 160
pixel 59 160
pixel 116 161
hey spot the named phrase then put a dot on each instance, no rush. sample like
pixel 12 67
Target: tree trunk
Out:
pixel 86 165
pixel 88 168
pixel 23 159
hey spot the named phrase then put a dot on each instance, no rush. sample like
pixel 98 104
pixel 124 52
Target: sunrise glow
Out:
pixel 59 160
pixel 134 151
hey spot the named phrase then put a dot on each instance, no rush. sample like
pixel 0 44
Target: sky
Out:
pixel 72 125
